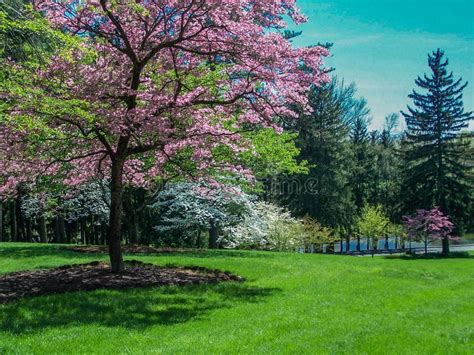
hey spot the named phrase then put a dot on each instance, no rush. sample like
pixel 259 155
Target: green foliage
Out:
pixel 27 40
pixel 22 32
pixel 385 169
pixel 273 154
pixel 313 235
pixel 397 230
pixel 372 223
pixel 26 37
pixel 54 143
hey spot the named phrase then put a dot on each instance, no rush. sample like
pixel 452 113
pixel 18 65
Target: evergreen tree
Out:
pixel 385 168
pixel 362 172
pixel 436 172
pixel 324 193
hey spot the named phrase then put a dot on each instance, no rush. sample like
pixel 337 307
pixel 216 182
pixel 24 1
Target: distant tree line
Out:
pixel 429 164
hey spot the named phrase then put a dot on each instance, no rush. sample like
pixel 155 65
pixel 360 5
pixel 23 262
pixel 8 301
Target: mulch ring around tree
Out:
pixel 97 275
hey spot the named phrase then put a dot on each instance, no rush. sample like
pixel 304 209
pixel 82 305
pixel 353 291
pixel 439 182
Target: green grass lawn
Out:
pixel 290 303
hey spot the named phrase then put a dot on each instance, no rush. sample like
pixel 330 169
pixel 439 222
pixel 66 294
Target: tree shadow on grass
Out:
pixel 216 254
pixel 129 308
pixel 36 250
pixel 433 256
pixel 8 250
pixel 211 253
pixel 143 250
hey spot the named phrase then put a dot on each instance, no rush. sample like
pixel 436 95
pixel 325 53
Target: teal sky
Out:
pixel 382 45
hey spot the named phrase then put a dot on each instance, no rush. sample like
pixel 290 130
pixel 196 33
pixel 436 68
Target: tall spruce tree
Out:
pixel 362 173
pixel 324 193
pixel 436 171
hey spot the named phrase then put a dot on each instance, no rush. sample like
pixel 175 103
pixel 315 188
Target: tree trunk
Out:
pixel 200 243
pixel 69 232
pixel 55 230
pixel 88 232
pixel 115 218
pixel 445 250
pixel 131 218
pixel 213 236
pixel 42 230
pixel 60 231
pixel 386 243
pixel 13 225
pixel 20 225
pixel 29 231
pixel 83 232
pixel 358 243
pixel 95 231
pixel 134 233
pixel 348 243
pixel 103 233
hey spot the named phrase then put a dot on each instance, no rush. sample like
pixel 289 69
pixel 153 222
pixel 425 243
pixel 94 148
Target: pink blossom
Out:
pixel 431 224
pixel 161 77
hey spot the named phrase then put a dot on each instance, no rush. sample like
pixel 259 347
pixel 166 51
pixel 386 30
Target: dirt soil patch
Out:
pixel 129 249
pixel 97 275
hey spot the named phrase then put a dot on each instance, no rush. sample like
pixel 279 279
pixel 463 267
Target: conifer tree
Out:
pixel 436 172
pixel 362 173
pixel 385 167
pixel 324 193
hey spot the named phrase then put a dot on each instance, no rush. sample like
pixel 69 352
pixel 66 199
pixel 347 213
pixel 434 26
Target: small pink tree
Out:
pixel 153 83
pixel 429 225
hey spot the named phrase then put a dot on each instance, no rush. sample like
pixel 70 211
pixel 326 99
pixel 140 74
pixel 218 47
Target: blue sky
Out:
pixel 382 45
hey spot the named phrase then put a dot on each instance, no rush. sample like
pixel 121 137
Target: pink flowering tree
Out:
pixel 428 226
pixel 142 90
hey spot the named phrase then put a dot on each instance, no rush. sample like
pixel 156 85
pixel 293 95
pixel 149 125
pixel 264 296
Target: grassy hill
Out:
pixel 290 303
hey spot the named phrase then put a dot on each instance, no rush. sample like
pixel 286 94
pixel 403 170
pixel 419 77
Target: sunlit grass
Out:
pixel 289 303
